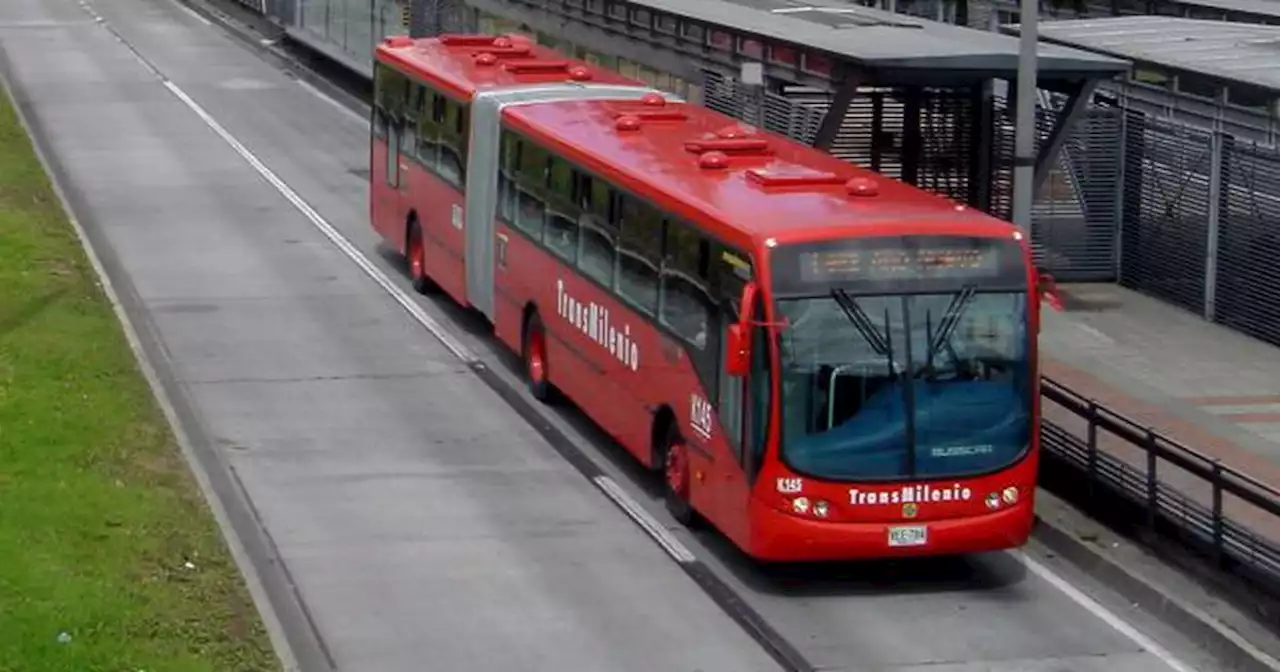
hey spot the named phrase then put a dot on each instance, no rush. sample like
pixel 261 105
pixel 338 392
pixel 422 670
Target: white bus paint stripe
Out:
pixel 1102 613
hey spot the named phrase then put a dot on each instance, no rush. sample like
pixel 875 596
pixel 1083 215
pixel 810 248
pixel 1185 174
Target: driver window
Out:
pixel 760 385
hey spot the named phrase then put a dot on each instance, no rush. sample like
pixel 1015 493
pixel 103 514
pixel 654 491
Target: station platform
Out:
pixel 1212 389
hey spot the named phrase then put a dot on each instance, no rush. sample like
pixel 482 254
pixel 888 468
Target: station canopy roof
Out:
pixel 1242 52
pixel 877 39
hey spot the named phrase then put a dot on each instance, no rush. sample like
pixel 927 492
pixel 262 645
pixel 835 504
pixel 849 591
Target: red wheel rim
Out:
pixel 537 356
pixel 677 469
pixel 415 255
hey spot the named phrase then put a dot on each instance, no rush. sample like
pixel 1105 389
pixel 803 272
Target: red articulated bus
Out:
pixel 823 363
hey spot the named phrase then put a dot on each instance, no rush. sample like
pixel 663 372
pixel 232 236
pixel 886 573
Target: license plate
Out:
pixel 908 535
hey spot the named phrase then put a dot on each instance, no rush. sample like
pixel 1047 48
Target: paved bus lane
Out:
pixel 422 520
pixel 987 612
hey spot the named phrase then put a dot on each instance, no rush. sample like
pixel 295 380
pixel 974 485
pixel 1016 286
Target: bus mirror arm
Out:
pixel 1048 288
pixel 738 343
pixel 737 350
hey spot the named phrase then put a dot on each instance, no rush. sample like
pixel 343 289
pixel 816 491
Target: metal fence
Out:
pixel 1201 223
pixel 1201 228
pixel 1111 465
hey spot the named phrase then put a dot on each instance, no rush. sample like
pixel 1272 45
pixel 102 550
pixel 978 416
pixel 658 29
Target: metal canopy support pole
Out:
pixel 1025 140
pixel 831 122
pixel 1077 103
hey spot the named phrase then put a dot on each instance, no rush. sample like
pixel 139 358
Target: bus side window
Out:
pixel 531 183
pixel 561 235
pixel 639 254
pixel 686 294
pixel 726 287
pixel 761 389
pixel 412 115
pixel 599 232
pixel 507 164
pixel 454 125
pixel 429 131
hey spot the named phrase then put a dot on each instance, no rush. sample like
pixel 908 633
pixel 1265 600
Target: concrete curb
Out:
pixel 1214 636
pixel 1211 634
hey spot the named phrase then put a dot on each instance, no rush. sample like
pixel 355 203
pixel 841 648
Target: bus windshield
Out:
pixel 932 380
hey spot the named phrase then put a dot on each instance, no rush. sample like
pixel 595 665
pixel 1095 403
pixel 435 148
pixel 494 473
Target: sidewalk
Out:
pixel 1210 388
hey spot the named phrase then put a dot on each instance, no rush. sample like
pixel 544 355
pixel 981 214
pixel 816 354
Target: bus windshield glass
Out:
pixel 903 356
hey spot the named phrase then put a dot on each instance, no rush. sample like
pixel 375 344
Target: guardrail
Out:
pixel 1132 474
pixel 1122 472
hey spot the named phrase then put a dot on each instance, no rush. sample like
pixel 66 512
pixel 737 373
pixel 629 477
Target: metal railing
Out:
pixel 1123 472
pixel 1161 486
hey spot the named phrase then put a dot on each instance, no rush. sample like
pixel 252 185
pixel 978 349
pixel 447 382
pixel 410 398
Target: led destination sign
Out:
pixel 906 259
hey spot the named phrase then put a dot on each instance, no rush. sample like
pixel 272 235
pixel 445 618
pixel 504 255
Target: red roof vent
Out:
pixel 398 41
pixel 793 176
pixel 627 122
pixel 536 66
pixel 653 99
pixel 739 146
pixel 502 43
pixel 471 41
pixel 733 133
pixel 862 186
pixel 486 59
pixel 713 161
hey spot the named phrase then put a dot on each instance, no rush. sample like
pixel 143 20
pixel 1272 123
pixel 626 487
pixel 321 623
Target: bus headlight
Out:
pixel 800 504
pixel 1010 495
pixel 993 500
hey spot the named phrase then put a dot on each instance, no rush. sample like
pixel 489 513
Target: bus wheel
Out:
pixel 676 478
pixel 416 253
pixel 535 358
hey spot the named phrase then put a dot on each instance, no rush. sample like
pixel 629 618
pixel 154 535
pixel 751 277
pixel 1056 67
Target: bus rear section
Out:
pixel 903 417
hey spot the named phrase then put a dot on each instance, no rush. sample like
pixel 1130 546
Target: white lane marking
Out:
pixel 616 494
pixel 678 551
pixel 194 14
pixel 1104 614
pixel 459 350
pixel 346 111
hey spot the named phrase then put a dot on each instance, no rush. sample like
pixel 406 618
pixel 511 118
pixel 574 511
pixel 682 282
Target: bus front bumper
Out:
pixel 781 537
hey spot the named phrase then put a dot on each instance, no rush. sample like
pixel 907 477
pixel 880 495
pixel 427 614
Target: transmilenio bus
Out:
pixel 822 362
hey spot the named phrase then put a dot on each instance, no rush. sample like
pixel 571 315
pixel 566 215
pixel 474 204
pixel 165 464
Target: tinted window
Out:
pixel 429 129
pixel 562 212
pixel 686 294
pixel 531 180
pixel 639 254
pixel 507 162
pixel 598 253
pixel 454 124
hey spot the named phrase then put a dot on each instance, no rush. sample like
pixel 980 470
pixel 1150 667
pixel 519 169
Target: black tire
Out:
pixel 532 333
pixel 677 504
pixel 414 245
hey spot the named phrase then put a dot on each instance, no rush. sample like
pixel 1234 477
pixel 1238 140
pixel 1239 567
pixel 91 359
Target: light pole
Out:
pixel 1024 153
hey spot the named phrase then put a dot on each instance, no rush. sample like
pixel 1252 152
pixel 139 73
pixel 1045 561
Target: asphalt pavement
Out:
pixel 396 510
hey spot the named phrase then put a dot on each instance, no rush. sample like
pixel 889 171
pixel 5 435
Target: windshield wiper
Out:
pixel 951 319
pixel 858 317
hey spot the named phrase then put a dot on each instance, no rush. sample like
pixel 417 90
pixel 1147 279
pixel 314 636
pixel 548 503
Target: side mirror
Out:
pixel 737 351
pixel 1049 291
